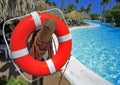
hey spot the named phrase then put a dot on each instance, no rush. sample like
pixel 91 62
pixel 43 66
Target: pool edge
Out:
pixel 78 74
pixel 89 26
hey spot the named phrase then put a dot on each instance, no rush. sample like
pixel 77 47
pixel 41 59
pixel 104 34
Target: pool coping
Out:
pixel 91 25
pixel 78 74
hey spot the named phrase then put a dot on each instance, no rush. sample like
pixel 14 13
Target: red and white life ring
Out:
pixel 19 51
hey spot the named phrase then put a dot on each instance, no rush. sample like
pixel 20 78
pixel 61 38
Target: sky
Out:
pixel 96 7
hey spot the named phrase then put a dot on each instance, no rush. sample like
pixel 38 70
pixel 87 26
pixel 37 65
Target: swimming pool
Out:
pixel 98 49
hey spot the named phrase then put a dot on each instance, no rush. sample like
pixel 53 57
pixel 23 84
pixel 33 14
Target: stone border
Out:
pixel 91 25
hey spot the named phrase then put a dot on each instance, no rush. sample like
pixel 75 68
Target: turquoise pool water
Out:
pixel 98 49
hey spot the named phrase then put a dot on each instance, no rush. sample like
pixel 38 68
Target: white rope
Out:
pixel 8 45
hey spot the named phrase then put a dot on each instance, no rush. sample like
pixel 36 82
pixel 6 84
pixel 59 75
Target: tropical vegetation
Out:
pixel 113 15
pixel 94 16
pixel 17 8
pixel 13 81
pixel 104 3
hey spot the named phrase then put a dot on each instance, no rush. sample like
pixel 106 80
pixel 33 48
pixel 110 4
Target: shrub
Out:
pixel 13 81
pixel 17 81
pixel 113 13
pixel 116 14
pixel 108 16
pixel 94 16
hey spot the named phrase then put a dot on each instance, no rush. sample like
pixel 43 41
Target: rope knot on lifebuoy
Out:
pixel 21 55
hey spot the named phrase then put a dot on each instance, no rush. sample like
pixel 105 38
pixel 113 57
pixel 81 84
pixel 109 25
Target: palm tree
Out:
pixel 89 8
pixel 70 8
pixel 50 3
pixel 104 3
pixel 118 2
pixel 63 2
pixel 76 1
pixel 82 9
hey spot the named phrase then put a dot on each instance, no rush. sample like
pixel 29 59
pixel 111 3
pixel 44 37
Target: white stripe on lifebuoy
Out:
pixel 37 19
pixel 19 53
pixel 51 66
pixel 24 51
pixel 64 38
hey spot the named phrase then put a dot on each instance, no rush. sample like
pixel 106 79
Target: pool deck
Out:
pixel 90 26
pixel 78 74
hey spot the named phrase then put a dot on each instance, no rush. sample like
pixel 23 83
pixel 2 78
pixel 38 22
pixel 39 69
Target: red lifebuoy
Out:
pixel 25 61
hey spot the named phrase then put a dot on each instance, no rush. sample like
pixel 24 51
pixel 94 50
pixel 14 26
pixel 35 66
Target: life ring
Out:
pixel 19 51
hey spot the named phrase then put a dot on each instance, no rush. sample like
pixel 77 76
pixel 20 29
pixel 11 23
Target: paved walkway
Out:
pixel 8 69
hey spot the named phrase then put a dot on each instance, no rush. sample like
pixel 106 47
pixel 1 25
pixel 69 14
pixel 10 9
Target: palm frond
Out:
pixel 13 8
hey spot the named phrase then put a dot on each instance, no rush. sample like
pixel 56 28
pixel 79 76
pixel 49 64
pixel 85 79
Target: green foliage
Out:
pixel 70 8
pixel 104 3
pixel 17 81
pixel 13 81
pixel 116 16
pixel 50 3
pixel 94 16
pixel 82 9
pixel 117 1
pixel 114 13
pixel 89 8
pixel 108 16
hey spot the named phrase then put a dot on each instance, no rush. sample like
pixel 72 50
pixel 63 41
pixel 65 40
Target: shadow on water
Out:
pixel 114 30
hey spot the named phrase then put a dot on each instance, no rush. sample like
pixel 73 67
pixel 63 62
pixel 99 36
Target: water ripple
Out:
pixel 99 49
